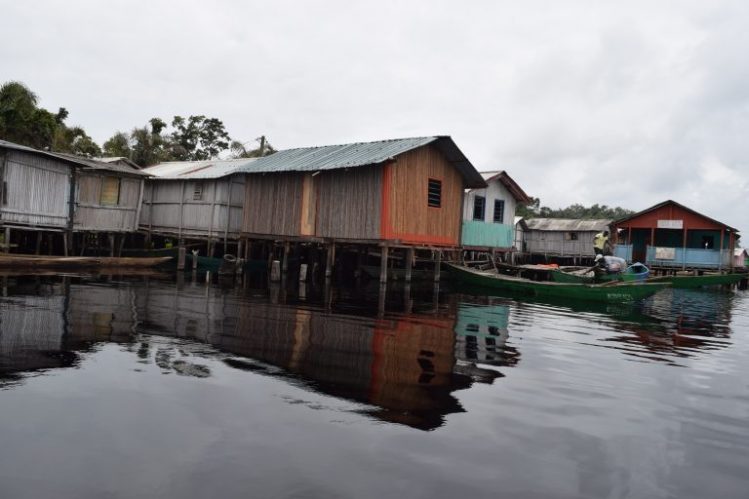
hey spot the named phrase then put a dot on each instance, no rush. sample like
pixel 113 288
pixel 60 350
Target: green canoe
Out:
pixel 614 292
pixel 697 281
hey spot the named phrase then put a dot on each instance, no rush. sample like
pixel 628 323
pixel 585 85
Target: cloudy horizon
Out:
pixel 581 102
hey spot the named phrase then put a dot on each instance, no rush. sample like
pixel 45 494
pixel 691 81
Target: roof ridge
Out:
pixel 434 137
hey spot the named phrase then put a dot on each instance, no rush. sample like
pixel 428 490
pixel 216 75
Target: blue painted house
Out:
pixel 489 213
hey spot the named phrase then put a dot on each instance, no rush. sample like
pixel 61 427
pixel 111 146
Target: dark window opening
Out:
pixel 197 194
pixel 434 194
pixel 572 236
pixel 479 205
pixel 708 242
pixel 499 211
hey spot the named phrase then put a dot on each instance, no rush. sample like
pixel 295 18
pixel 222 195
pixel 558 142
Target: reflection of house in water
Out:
pixel 45 323
pixel 481 335
pixel 406 366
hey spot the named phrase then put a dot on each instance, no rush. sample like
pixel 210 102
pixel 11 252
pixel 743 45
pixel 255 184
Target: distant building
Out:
pixel 489 213
pixel 741 257
pixel 672 235
pixel 561 237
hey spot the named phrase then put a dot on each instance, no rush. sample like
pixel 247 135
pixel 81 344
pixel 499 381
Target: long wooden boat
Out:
pixel 66 262
pixel 613 292
pixel 698 281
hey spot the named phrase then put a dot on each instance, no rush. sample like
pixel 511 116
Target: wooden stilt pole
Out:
pixel 409 263
pixel 384 265
pixel 437 266
pixel 285 264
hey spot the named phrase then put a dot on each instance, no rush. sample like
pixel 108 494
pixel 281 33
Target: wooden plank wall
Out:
pixel 273 204
pixel 90 214
pixel 166 209
pixel 349 203
pixel 38 190
pixel 407 216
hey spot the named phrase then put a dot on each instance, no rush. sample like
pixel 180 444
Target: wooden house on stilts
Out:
pixel 195 201
pixel 671 236
pixel 74 201
pixel 405 194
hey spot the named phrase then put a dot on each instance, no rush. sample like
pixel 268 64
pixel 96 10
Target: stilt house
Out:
pixel 63 194
pixel 489 213
pixel 403 192
pixel 673 236
pixel 561 237
pixel 198 200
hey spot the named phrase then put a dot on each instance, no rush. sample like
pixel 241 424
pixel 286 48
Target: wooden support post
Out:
pixel 6 240
pixel 437 266
pixel 382 296
pixel 38 242
pixel 285 264
pixel 275 271
pixel 303 272
pixel 269 249
pixel 684 250
pixel 111 244
pixel 195 260
pixel 181 252
pixel 247 249
pixel 65 243
pixel 384 265
pixel 330 261
pixel 409 263
pixel 239 248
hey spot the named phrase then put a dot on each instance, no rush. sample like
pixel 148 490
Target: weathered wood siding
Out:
pixel 273 204
pixel 407 216
pixel 559 242
pixel 90 214
pixel 349 203
pixel 169 207
pixel 38 190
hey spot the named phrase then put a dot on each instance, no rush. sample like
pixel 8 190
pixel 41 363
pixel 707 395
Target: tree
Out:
pixel 21 121
pixel 198 138
pixel 117 146
pixel 74 140
pixel 147 146
pixel 573 211
pixel 239 150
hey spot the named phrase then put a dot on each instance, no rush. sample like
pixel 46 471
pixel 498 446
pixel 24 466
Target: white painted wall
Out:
pixel 495 191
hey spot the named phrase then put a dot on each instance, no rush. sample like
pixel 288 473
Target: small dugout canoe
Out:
pixel 613 292
pixel 69 262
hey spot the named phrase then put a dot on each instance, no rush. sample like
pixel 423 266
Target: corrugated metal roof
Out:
pixel 208 169
pixel 567 224
pixel 72 158
pixel 311 159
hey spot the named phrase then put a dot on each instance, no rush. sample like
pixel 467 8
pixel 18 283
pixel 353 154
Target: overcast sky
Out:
pixel 618 103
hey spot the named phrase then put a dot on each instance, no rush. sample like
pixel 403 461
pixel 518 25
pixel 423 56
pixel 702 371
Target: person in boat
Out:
pixel 601 245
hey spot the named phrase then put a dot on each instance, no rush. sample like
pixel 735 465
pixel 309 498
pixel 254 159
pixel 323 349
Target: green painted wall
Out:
pixel 487 234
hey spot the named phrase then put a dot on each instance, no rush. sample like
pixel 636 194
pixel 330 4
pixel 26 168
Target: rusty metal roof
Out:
pixel 208 169
pixel 567 224
pixel 311 159
pixel 87 163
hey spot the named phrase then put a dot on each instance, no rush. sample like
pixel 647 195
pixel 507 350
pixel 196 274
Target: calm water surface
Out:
pixel 162 387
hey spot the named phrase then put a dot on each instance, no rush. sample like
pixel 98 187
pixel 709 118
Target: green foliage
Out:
pixel 534 209
pixel 118 146
pixel 23 122
pixel 197 138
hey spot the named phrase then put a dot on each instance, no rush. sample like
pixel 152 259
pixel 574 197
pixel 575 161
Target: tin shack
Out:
pixel 672 236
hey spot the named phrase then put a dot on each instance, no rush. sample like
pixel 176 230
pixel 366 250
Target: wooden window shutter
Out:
pixel 110 191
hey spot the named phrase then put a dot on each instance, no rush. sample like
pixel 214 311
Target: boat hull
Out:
pixel 617 292
pixel 67 262
pixel 698 281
